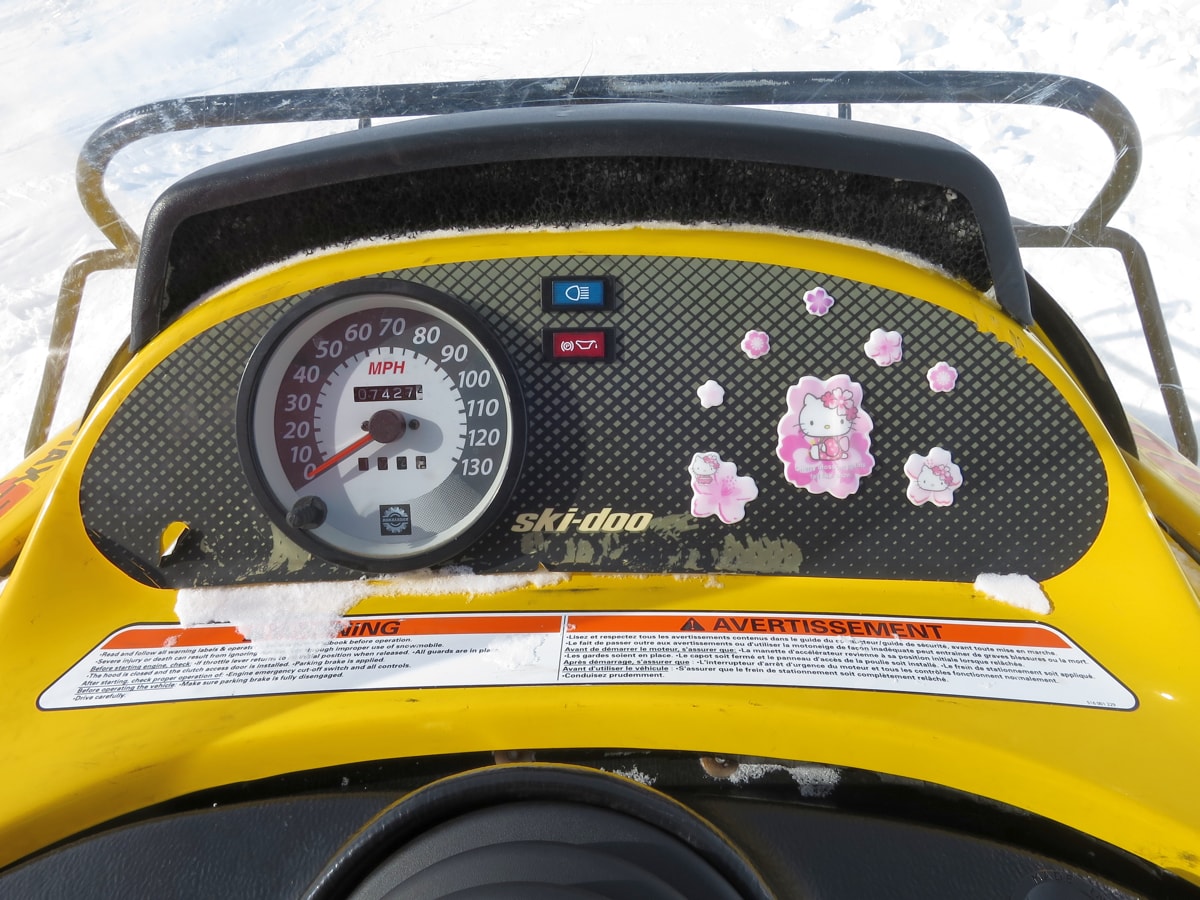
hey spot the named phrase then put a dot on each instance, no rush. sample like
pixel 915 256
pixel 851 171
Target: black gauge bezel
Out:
pixel 462 315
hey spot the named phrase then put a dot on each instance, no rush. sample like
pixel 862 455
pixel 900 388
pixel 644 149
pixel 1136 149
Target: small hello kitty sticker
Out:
pixel 932 478
pixel 718 490
pixel 825 437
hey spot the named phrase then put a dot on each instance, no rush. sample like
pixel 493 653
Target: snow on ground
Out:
pixel 66 66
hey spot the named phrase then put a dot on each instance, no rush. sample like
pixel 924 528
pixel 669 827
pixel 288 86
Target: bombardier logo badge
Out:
pixel 603 520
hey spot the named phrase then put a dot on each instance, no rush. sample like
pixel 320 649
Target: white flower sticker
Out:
pixel 756 344
pixel 818 301
pixel 885 347
pixel 942 377
pixel 711 394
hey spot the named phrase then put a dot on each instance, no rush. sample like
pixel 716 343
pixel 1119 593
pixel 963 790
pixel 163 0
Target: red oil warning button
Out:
pixel 576 343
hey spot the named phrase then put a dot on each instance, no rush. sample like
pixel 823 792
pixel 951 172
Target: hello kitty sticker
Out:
pixel 825 437
pixel 932 478
pixel 718 490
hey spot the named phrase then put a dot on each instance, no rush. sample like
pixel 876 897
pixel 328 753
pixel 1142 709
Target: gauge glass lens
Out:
pixel 383 426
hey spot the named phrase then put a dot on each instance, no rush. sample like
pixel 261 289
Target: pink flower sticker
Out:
pixel 711 394
pixel 942 377
pixel 718 490
pixel 817 301
pixel 932 478
pixel 885 347
pixel 825 437
pixel 756 344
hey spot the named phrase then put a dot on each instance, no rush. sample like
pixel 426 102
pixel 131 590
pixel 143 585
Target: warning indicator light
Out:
pixel 590 292
pixel 576 343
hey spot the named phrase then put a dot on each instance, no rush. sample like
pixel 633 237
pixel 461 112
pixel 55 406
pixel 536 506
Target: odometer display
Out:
pixel 381 425
pixel 375 393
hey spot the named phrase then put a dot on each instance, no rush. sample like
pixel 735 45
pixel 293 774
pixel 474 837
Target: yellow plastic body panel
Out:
pixel 1169 481
pixel 26 488
pixel 1125 777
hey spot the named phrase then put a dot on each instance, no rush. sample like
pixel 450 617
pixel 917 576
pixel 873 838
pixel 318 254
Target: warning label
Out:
pixel 966 658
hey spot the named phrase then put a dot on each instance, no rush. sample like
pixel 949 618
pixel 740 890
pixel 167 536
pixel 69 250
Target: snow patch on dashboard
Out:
pixel 813 780
pixel 1020 591
pixel 296 620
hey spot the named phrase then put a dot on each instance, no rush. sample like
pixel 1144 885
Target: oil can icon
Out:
pixel 582 345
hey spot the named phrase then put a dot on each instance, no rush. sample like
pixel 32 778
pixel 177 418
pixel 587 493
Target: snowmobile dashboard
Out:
pixel 749 404
pixel 832 517
pixel 620 338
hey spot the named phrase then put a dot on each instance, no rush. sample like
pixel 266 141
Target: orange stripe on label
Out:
pixel 997 634
pixel 218 635
pixel 819 626
pixel 200 636
pixel 613 623
pixel 386 627
pixel 1010 635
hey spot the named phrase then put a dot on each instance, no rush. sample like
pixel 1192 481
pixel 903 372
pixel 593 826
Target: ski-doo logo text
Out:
pixel 604 520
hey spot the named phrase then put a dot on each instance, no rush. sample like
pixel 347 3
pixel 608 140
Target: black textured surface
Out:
pixel 253 851
pixel 926 220
pixel 622 163
pixel 810 853
pixel 621 435
pixel 544 825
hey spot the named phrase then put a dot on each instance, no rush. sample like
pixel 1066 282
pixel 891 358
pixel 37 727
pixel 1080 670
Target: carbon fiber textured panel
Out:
pixel 619 437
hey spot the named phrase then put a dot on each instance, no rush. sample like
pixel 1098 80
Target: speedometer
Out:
pixel 380 424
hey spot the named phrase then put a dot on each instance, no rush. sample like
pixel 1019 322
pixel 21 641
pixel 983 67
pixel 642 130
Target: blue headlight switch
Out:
pixel 590 292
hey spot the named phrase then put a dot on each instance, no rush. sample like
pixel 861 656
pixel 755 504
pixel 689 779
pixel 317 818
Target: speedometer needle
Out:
pixel 385 426
pixel 340 455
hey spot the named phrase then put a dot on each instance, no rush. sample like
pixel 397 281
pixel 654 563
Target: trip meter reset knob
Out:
pixel 381 425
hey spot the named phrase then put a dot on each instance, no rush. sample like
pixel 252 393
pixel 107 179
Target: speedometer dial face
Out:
pixel 381 425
